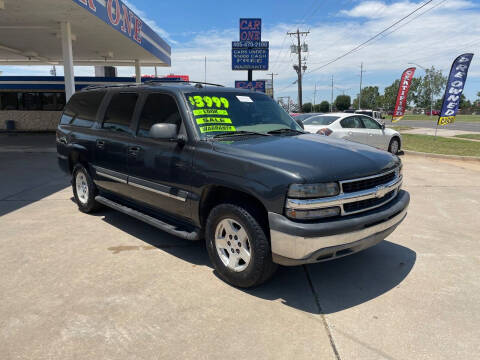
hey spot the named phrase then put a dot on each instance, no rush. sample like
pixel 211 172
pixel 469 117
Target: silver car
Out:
pixel 355 127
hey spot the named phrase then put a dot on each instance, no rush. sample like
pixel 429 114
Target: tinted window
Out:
pixel 120 111
pixel 82 108
pixel 320 120
pixel 8 101
pixel 352 122
pixel 370 123
pixel 31 101
pixel 53 101
pixel 158 108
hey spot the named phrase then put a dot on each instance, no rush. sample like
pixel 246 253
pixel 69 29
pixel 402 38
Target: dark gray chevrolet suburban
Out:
pixel 231 167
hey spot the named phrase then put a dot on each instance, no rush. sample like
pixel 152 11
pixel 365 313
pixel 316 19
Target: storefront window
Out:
pixel 35 101
pixel 8 101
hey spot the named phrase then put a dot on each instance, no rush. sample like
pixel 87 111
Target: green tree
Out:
pixel 430 87
pixel 307 107
pixel 370 98
pixel 464 102
pixel 342 102
pixel 387 101
pixel 324 106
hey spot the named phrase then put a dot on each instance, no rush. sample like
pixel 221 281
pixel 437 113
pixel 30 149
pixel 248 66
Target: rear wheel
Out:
pixel 238 246
pixel 394 146
pixel 84 189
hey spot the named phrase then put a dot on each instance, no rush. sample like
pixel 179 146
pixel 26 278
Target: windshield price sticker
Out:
pixel 214 128
pixel 209 101
pixel 244 98
pixel 210 120
pixel 209 112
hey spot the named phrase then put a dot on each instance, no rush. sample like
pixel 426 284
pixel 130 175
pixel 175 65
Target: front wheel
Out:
pixel 394 146
pixel 238 246
pixel 84 189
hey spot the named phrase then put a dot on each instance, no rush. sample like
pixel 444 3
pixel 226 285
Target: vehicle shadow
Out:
pixel 346 282
pixel 338 284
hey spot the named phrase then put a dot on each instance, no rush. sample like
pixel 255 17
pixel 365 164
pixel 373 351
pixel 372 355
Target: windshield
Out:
pixel 229 112
pixel 320 120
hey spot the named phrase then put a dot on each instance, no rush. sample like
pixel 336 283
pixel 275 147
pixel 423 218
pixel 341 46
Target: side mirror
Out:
pixel 299 122
pixel 164 131
pixel 383 126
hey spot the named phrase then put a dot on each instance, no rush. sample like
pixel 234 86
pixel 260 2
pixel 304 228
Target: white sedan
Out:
pixel 355 127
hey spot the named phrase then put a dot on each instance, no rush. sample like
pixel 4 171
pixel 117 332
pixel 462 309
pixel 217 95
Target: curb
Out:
pixel 442 156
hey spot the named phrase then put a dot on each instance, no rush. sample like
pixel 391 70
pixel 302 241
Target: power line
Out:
pixel 370 39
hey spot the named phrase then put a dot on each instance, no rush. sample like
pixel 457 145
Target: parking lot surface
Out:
pixel 106 286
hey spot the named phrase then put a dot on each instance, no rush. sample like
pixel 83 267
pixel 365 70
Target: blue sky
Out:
pixel 196 29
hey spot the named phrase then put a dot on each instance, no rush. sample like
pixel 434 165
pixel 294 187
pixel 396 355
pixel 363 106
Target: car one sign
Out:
pixel 250 29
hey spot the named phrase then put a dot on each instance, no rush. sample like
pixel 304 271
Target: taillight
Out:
pixel 324 131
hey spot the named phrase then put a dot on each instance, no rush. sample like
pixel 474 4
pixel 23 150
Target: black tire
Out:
pixel 390 147
pixel 261 267
pixel 89 204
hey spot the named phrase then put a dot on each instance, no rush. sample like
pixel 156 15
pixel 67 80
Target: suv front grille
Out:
pixel 358 185
pixel 366 204
pixel 357 195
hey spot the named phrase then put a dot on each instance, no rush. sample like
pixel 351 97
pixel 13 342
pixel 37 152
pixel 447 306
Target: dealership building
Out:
pixel 66 33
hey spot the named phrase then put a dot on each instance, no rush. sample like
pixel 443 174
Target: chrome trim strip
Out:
pixel 368 177
pixel 135 182
pixel 111 177
pixel 376 192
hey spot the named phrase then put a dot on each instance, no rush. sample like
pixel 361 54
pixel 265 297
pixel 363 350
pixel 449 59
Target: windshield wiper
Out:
pixel 238 133
pixel 285 131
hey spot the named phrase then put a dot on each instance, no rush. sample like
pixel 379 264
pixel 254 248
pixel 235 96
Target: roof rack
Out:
pixel 156 81
pixel 103 86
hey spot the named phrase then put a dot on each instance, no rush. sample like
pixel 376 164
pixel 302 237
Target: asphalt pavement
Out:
pixel 107 286
pixel 459 125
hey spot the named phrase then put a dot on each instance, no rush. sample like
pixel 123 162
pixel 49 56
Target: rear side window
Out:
pixel 352 122
pixel 82 108
pixel 158 108
pixel 370 123
pixel 119 112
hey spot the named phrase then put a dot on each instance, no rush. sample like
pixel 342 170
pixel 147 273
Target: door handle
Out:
pixel 133 150
pixel 350 133
pixel 100 144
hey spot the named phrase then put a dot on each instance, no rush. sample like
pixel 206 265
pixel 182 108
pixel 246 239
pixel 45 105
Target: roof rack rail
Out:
pixel 103 86
pixel 156 81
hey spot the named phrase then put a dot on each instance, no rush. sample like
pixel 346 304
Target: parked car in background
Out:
pixel 305 116
pixel 433 112
pixel 355 127
pixel 377 115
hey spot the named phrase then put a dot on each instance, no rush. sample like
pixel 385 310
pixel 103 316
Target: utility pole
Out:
pixel 360 94
pixel 272 75
pixel 331 98
pixel 299 67
pixel 314 95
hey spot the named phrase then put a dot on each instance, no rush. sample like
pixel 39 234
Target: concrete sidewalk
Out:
pixel 108 286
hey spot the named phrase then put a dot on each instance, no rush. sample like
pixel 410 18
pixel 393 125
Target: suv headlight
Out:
pixel 306 191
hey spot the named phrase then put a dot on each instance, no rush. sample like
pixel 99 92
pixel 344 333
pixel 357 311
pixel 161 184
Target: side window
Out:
pixel 352 122
pixel 158 108
pixel 119 112
pixel 370 123
pixel 82 108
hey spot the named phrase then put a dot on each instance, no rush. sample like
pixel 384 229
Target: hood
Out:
pixel 314 158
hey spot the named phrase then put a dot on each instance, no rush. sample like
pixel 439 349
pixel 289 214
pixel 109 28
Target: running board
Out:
pixel 171 229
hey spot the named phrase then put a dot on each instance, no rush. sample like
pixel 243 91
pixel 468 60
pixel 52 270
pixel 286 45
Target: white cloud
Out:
pixel 143 15
pixel 435 38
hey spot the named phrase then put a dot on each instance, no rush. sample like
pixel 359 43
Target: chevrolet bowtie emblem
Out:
pixel 380 191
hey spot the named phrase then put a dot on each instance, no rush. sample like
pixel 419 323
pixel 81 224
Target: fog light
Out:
pixel 313 214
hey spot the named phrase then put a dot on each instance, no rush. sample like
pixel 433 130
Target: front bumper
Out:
pixel 295 243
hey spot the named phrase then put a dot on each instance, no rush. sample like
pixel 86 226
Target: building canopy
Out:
pixel 101 32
